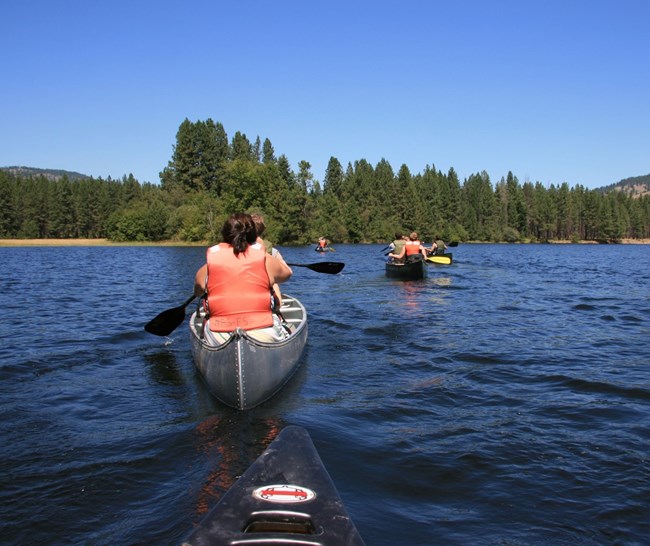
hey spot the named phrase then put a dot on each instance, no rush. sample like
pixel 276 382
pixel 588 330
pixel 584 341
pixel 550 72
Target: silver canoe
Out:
pixel 244 372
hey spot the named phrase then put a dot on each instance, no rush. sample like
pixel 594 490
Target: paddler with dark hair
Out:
pixel 238 279
pixel 395 248
pixel 411 247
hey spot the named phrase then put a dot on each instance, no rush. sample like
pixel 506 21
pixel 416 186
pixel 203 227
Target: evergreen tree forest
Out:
pixel 211 175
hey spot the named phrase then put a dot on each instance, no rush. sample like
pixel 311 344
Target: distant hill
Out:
pixel 635 186
pixel 52 174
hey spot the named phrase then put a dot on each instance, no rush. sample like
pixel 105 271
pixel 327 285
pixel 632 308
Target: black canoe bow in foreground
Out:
pixel 285 497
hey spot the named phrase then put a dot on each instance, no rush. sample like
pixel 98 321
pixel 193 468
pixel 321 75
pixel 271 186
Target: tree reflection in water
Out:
pixel 228 445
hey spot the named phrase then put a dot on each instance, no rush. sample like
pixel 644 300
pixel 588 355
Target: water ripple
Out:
pixel 501 400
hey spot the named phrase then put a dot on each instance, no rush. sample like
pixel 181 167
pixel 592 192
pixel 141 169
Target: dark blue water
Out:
pixel 503 400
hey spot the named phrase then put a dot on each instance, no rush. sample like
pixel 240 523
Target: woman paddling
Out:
pixel 412 247
pixel 238 278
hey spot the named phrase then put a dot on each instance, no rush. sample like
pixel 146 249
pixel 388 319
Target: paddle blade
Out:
pixel 445 259
pixel 328 267
pixel 332 268
pixel 453 243
pixel 166 322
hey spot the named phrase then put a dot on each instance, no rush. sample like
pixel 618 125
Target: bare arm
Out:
pixel 277 270
pixel 199 281
pixel 401 254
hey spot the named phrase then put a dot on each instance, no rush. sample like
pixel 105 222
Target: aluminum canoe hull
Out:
pixel 244 372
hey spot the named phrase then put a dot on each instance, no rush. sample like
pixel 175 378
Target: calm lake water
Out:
pixel 503 400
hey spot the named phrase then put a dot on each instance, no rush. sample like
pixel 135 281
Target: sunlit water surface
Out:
pixel 503 400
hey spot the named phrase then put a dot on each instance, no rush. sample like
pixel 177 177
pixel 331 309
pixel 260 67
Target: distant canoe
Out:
pixel 407 271
pixel 285 497
pixel 443 259
pixel 244 372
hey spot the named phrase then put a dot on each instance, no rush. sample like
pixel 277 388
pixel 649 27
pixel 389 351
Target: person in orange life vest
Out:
pixel 260 227
pixel 412 247
pixel 238 278
pixel 322 244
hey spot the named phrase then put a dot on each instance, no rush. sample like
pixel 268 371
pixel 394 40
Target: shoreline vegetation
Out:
pixel 107 242
pixel 211 174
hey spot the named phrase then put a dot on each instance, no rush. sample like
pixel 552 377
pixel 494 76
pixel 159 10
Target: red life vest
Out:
pixel 412 247
pixel 239 289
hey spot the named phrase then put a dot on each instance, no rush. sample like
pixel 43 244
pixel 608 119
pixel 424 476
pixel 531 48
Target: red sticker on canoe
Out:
pixel 284 494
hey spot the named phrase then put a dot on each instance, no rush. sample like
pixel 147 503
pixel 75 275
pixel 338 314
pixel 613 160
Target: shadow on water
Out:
pixel 163 368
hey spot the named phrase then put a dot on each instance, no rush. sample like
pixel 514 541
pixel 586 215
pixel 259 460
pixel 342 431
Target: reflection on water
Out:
pixel 227 445
pixel 442 281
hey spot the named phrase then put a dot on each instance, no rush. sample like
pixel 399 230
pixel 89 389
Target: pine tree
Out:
pixel 268 154
pixel 8 223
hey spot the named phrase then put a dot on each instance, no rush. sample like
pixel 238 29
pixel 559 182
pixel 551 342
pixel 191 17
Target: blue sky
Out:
pixel 554 91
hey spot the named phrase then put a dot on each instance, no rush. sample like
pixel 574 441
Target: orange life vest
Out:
pixel 412 247
pixel 239 290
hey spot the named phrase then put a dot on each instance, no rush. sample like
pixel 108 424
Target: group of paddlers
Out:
pixel 406 248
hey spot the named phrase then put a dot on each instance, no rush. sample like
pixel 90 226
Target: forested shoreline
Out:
pixel 211 175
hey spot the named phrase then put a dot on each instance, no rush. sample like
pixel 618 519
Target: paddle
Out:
pixel 167 321
pixel 385 249
pixel 323 267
